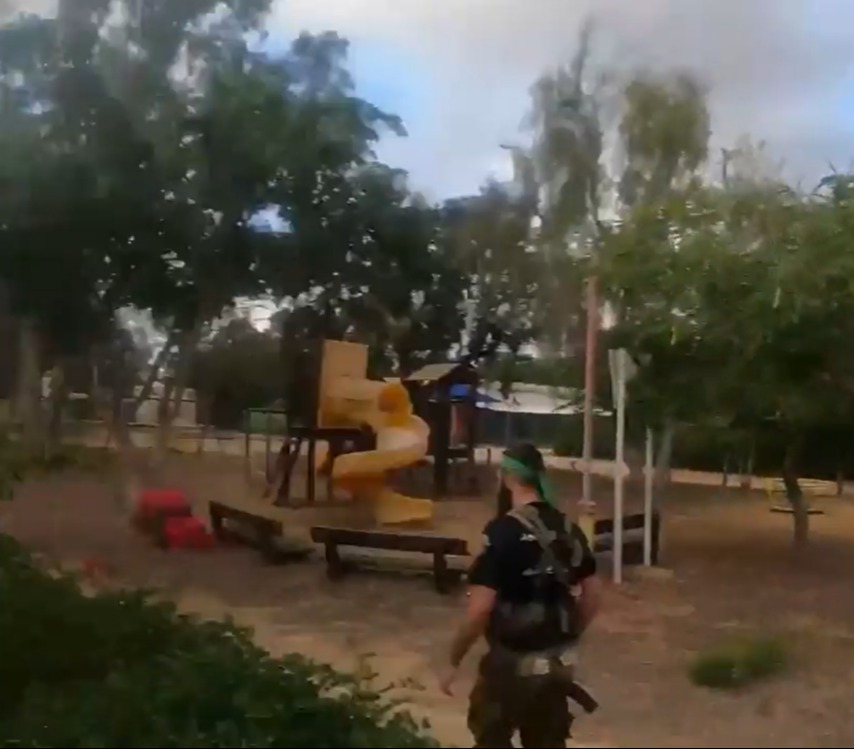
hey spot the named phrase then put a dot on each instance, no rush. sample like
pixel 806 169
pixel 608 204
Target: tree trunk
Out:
pixel 800 509
pixel 634 457
pixel 747 466
pixel 128 476
pixel 164 420
pixel 56 404
pixel 126 389
pixel 154 373
pixel 665 454
pixel 28 406
pixel 173 392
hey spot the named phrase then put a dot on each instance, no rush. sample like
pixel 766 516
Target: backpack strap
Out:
pixel 530 519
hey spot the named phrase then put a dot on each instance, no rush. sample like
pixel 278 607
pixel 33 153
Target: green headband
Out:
pixel 526 473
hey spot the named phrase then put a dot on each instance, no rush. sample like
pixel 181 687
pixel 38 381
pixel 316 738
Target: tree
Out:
pixel 489 236
pixel 661 123
pixel 744 313
pixel 148 145
pixel 238 367
pixel 400 291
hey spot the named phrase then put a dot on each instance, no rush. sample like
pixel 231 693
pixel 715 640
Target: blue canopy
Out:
pixel 461 390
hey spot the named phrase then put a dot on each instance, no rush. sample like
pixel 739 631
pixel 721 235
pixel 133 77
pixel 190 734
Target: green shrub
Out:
pixel 739 664
pixel 118 669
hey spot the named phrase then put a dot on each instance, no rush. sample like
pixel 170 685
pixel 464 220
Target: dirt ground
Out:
pixel 729 569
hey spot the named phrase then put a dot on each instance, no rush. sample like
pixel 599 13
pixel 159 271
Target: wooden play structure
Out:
pixel 355 433
pixel 445 396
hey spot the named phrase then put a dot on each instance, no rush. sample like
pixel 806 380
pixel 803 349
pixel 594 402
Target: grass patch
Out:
pixel 739 664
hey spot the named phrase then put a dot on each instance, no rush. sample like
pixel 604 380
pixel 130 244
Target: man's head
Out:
pixel 522 476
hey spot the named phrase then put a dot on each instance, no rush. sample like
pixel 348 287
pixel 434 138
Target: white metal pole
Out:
pixel 649 469
pixel 618 468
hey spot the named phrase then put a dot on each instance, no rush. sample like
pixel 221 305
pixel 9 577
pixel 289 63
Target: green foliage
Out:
pixel 739 664
pixel 571 437
pixel 153 181
pixel 118 669
pixel 704 447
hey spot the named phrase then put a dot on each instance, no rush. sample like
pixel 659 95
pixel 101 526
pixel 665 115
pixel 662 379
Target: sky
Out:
pixel 458 71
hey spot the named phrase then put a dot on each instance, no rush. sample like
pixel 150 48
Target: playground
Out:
pixel 389 473
pixel 727 569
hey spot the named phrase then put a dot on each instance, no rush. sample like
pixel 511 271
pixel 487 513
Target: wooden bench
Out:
pixel 440 547
pixel 811 489
pixel 603 534
pixel 265 529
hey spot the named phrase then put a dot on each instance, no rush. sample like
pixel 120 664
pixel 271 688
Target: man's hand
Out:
pixel 480 603
pixel 447 679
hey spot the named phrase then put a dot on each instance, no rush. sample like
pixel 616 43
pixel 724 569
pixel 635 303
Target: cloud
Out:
pixel 777 69
pixel 458 71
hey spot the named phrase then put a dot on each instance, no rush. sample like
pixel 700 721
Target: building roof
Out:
pixel 431 372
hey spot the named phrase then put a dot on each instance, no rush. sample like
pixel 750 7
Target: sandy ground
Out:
pixel 730 570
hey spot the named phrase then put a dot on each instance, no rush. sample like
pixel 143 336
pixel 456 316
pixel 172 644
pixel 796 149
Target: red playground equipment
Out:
pixel 166 517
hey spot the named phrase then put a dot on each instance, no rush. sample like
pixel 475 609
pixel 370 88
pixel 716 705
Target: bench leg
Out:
pixel 217 524
pixel 266 545
pixel 335 568
pixel 443 578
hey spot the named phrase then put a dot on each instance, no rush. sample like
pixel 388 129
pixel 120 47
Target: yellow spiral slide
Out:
pixel 348 399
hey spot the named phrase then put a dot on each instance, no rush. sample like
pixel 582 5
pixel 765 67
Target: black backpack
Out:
pixel 514 620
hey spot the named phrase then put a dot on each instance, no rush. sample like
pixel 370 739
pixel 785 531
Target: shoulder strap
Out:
pixel 532 522
pixel 576 538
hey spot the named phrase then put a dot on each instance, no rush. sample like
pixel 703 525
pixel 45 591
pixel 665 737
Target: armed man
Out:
pixel 533 592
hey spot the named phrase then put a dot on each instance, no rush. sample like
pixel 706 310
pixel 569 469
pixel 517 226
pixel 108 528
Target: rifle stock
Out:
pixel 579 694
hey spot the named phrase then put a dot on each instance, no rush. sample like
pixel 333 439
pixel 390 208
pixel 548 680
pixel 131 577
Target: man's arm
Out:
pixel 480 603
pixel 483 586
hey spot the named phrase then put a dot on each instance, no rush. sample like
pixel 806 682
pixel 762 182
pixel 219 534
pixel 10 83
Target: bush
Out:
pixel 739 664
pixel 118 669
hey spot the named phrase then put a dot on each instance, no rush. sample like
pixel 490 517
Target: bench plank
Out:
pixel 414 542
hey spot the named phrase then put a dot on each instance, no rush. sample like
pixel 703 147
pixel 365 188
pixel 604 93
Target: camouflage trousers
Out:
pixel 505 700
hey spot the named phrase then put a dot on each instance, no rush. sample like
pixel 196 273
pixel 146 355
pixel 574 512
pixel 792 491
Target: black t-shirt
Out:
pixel 510 565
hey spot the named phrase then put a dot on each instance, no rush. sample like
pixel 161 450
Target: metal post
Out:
pixel 648 476
pixel 618 467
pixel 587 506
